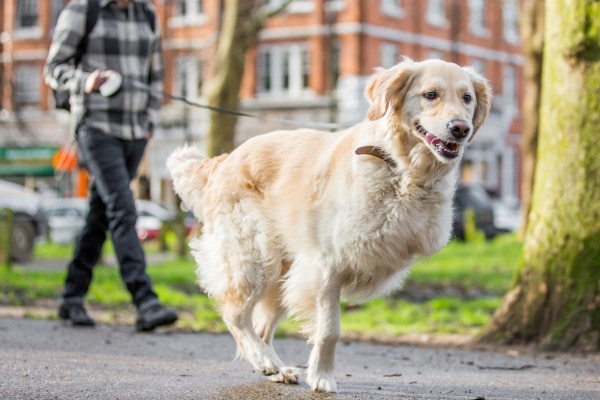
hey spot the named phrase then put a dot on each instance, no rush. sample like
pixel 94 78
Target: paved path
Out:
pixel 50 360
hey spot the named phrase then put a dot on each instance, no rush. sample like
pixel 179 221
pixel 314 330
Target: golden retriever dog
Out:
pixel 296 220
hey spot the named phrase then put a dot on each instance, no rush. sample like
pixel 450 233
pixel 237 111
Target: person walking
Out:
pixel 112 120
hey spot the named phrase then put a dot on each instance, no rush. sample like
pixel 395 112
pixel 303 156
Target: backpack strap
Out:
pixel 150 16
pixel 91 17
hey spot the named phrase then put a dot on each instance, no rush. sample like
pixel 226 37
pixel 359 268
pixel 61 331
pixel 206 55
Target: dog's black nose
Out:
pixel 459 128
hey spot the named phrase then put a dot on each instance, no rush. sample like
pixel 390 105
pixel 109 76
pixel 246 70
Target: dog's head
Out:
pixel 440 103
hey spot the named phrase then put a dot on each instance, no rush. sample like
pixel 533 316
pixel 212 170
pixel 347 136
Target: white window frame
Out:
pixel 389 54
pixel 335 6
pixel 295 7
pixel 30 8
pixel 392 8
pixel 288 70
pixel 435 55
pixel 479 66
pixel 436 13
pixel 27 86
pixel 510 23
pixel 27 8
pixel 194 14
pixel 189 73
pixel 509 84
pixel 477 18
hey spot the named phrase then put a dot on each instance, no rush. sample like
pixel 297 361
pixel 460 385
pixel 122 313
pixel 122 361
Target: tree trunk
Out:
pixel 242 20
pixel 555 300
pixel 222 90
pixel 531 24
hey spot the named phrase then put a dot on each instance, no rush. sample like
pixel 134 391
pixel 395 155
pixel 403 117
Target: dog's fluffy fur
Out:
pixel 296 220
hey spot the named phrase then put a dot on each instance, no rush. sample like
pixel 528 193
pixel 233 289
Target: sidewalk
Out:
pixel 52 360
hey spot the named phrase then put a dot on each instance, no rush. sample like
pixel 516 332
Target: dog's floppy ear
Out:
pixel 483 94
pixel 385 88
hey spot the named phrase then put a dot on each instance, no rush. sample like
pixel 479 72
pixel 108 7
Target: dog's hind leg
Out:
pixel 267 314
pixel 258 353
pixel 270 309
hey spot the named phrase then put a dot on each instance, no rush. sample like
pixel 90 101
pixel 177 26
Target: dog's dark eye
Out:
pixel 467 98
pixel 430 95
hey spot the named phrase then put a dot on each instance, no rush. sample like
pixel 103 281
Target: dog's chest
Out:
pixel 396 222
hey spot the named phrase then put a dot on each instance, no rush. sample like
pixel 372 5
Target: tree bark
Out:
pixel 555 299
pixel 242 20
pixel 223 88
pixel 531 24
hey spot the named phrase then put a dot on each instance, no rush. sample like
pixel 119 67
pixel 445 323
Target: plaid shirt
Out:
pixel 120 41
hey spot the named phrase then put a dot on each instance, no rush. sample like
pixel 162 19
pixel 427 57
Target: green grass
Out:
pixel 487 267
pixel 441 315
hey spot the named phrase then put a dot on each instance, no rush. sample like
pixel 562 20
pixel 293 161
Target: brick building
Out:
pixel 311 63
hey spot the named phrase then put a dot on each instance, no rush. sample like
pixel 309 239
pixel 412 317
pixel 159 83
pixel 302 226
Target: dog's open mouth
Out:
pixel 445 149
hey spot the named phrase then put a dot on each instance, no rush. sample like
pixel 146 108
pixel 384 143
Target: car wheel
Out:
pixel 23 240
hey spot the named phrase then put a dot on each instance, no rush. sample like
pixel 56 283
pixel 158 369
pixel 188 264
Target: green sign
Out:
pixel 27 153
pixel 27 161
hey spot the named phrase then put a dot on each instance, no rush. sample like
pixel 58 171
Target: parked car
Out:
pixel 151 217
pixel 66 218
pixel 473 197
pixel 29 220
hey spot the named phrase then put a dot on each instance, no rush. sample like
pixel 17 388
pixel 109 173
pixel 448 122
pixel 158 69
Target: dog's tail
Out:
pixel 190 171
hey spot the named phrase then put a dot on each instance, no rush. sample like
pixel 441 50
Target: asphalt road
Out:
pixel 51 360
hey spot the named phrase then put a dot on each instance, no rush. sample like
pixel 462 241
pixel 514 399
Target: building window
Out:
pixel 478 65
pixel 509 85
pixel 295 7
pixel 390 55
pixel 510 22
pixel 305 70
pixel 189 76
pixel 477 23
pixel 436 13
pixel 334 66
pixel 27 87
pixel 188 12
pixel 334 6
pixel 283 69
pixel 392 8
pixel 264 72
pixel 189 7
pixel 27 14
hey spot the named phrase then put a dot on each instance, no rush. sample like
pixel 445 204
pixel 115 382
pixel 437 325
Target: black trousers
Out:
pixel 113 163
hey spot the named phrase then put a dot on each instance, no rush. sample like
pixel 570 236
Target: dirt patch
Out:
pixel 419 293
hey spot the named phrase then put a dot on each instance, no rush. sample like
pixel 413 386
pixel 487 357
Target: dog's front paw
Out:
pixel 287 375
pixel 267 368
pixel 320 381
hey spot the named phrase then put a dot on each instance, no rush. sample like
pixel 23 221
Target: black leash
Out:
pixel 315 125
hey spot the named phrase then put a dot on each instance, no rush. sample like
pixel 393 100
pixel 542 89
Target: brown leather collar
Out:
pixel 377 152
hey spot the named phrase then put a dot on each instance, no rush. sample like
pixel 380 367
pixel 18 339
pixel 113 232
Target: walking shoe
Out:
pixel 154 316
pixel 76 314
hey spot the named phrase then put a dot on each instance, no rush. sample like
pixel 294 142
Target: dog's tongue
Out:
pixel 431 139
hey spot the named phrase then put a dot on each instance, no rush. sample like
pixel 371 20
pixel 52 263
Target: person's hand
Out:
pixel 95 80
